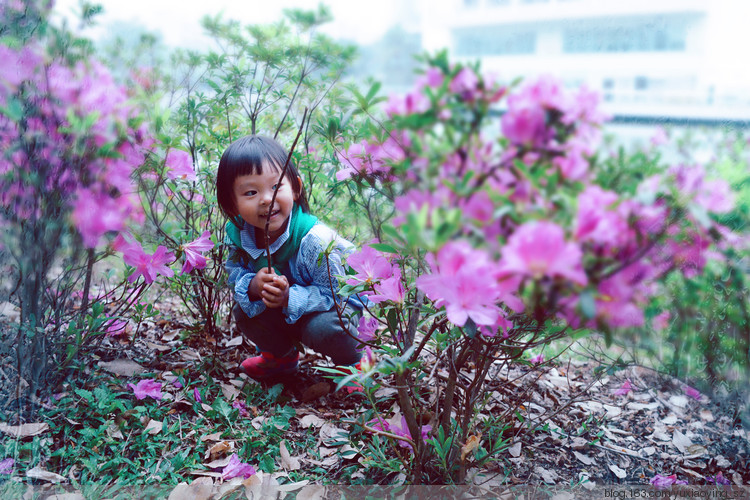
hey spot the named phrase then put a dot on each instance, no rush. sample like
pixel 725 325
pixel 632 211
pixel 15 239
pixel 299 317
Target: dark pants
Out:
pixel 320 331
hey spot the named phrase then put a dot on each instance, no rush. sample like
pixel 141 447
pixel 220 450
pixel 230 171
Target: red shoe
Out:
pixel 267 365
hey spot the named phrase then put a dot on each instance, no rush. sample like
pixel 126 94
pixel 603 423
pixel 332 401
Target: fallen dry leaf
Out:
pixel 24 430
pixel 287 461
pixel 621 474
pixel 312 492
pixel 331 435
pixel 219 449
pixel 123 367
pixel 311 421
pixel 234 342
pixel 681 442
pixel 515 450
pixel 154 427
pixel 44 475
pixel 113 431
pixel 230 392
pixel 472 443
pixel 583 458
pixel 216 436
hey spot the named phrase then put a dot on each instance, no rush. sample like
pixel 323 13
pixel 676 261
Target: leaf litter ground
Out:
pixel 585 432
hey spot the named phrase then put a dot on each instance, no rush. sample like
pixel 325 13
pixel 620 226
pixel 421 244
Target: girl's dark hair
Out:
pixel 250 155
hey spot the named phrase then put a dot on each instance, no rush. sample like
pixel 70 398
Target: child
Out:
pixel 294 301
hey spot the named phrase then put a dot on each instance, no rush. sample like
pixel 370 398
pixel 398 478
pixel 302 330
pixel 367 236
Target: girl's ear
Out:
pixel 299 183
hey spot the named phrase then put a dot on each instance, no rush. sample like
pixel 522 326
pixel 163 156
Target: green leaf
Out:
pixel 384 247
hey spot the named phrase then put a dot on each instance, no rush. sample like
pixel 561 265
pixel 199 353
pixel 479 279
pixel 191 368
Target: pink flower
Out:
pixel 465 84
pixel 236 468
pixel 400 429
pixel 368 360
pixel 597 220
pixel 197 395
pixel 147 387
pixel 693 393
pixel 193 252
pixel 354 160
pixel 389 289
pixel 94 214
pixel 118 328
pixel 660 137
pixel 524 124
pixel 535 360
pixel 661 482
pixel 6 465
pixel 538 249
pixel 242 407
pixel 367 328
pixel 464 280
pixel 370 266
pixel 661 321
pixel 150 266
pixel 180 165
pixel 624 389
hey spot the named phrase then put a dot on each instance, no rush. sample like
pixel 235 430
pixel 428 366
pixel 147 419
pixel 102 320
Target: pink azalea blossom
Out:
pixel 6 465
pixel 524 124
pixel 389 289
pixel 661 321
pixel 719 479
pixel 94 214
pixel 399 429
pixel 597 218
pixel 180 165
pixel 148 265
pixel 370 266
pixel 242 407
pixel 535 360
pixel 465 84
pixel 464 280
pixel 538 249
pixel 118 328
pixel 368 360
pixel 237 468
pixel 660 137
pixel 197 395
pixel 692 392
pixel 194 258
pixel 147 387
pixel 624 389
pixel 367 328
pixel 661 482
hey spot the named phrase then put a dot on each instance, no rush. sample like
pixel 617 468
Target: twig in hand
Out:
pixel 273 198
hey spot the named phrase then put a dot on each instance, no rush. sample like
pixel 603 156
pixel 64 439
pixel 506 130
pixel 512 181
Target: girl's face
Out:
pixel 253 193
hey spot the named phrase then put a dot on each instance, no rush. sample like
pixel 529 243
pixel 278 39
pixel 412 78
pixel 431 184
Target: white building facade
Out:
pixel 646 57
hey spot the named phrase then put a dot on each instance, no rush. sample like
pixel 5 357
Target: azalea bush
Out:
pixel 502 239
pixel 698 327
pixel 71 142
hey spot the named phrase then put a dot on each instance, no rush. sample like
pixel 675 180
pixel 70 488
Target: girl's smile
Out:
pixel 253 194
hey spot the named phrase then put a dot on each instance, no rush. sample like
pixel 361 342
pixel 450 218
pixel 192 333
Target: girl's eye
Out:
pixel 250 193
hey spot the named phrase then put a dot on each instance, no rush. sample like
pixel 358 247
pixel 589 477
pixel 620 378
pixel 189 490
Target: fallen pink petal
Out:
pixel 6 465
pixel 237 468
pixel 147 388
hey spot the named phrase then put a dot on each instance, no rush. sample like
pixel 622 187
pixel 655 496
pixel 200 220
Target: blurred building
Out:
pixel 646 57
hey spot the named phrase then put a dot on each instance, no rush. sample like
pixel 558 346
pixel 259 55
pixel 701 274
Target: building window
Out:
pixel 498 3
pixel 471 3
pixel 534 1
pixel 641 83
pixel 654 35
pixel 494 41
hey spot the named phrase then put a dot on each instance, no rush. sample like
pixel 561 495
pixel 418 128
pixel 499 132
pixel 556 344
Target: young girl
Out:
pixel 293 302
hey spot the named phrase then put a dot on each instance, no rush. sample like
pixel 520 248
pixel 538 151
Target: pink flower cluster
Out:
pixel 534 233
pixel 382 279
pixel 399 429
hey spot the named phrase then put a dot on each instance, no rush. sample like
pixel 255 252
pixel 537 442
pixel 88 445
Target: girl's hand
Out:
pixel 263 277
pixel 275 293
